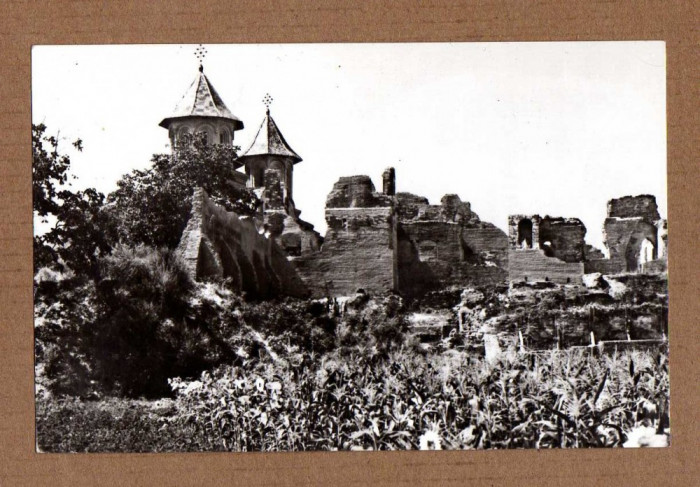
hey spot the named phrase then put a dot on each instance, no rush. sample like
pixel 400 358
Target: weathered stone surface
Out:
pixel 655 267
pixel 562 238
pixel 402 243
pixel 381 243
pixel 523 231
pixel 436 254
pixel 545 249
pixel 446 245
pixel 602 265
pixel 218 244
pixel 408 205
pixel 357 253
pixel 356 192
pixel 533 265
pixel 632 231
pixel 624 237
pixel 559 237
pixel 452 209
pixel 642 206
pixel 592 253
pixel 292 234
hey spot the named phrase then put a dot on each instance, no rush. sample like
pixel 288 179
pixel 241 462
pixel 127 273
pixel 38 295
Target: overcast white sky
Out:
pixel 548 128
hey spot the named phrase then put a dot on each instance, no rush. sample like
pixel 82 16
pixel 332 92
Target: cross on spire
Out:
pixel 267 101
pixel 200 53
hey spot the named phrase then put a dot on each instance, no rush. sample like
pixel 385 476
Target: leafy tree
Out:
pixel 152 206
pixel 78 237
pixel 49 170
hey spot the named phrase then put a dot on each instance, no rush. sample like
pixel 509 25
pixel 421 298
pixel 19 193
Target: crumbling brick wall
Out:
pixel 545 249
pixel 532 265
pixel 624 237
pixel 642 206
pixel 631 221
pixel 446 245
pixel 218 244
pixel 381 242
pixel 523 231
pixel 359 247
pixel 563 238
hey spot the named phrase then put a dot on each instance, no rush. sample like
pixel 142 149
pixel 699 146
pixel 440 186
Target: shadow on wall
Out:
pixel 217 244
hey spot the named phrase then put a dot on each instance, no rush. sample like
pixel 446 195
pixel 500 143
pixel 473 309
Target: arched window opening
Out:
pixel 646 251
pixel 525 233
pixel 257 176
pixel 210 135
pixel 277 165
pixel 181 133
pixel 224 137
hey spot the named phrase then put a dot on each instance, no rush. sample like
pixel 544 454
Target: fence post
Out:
pixel 520 339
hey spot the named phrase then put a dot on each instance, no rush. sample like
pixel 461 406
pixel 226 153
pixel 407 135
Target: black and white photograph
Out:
pixel 350 247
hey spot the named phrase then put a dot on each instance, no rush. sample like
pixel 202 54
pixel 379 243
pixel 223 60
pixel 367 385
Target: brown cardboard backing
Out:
pixel 24 23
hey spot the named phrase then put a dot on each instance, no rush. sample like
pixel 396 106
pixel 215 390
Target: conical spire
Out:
pixel 269 141
pixel 202 100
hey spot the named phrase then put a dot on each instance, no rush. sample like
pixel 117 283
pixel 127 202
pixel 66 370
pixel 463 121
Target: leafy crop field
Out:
pixel 451 400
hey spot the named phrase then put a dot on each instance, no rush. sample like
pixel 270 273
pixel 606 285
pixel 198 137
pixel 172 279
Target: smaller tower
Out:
pixel 201 109
pixel 270 152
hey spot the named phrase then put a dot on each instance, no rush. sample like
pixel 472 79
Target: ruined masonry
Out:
pixel 383 241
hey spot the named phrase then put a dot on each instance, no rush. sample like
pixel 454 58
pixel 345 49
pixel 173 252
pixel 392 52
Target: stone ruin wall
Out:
pixel 624 237
pixel 514 240
pixel 630 221
pixel 358 250
pixel 217 244
pixel 642 206
pixel 383 243
pixel 446 245
pixel 555 249
pixel 532 265
pixel 566 237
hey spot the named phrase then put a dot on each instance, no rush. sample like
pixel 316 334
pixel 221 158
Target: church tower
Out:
pixel 201 109
pixel 270 158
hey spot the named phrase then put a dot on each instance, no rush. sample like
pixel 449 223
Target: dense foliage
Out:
pixel 399 401
pixel 152 206
pixel 79 235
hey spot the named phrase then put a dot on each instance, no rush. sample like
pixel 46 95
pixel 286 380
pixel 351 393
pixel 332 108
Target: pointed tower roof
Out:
pixel 202 100
pixel 269 141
